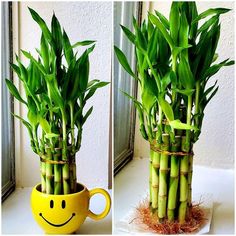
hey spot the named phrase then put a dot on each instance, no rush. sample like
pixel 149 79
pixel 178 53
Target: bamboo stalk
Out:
pixel 155 178
pixel 57 171
pixel 65 167
pixel 72 173
pixel 43 176
pixel 163 184
pixel 190 173
pixel 174 179
pixel 183 198
pixel 42 167
pixel 49 172
pixel 150 177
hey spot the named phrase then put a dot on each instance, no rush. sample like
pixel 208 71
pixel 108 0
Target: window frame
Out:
pixel 9 187
pixel 127 155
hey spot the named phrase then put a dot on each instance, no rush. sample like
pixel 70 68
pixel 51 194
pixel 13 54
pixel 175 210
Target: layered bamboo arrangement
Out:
pixel 56 93
pixel 175 61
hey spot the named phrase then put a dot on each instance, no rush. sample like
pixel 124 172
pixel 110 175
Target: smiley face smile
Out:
pixel 57 225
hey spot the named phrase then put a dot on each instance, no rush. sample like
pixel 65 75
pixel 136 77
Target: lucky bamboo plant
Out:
pixel 56 91
pixel 176 59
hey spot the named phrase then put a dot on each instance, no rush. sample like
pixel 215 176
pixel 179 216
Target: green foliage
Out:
pixel 56 94
pixel 175 60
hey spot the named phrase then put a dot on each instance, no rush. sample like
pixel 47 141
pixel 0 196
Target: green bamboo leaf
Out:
pixel 163 19
pixel 139 108
pixel 215 57
pixel 91 83
pixel 183 31
pixel 42 24
pixel 68 52
pixel 133 99
pixel 32 112
pixel 177 50
pixel 85 117
pixel 23 71
pixel 123 61
pixel 83 74
pixel 177 124
pixel 16 69
pixel 210 12
pixel 51 135
pixel 45 125
pixel 185 73
pixel 152 46
pixel 162 28
pixel 167 109
pixel 212 95
pixel 57 35
pixel 27 125
pixel 173 79
pixel 165 81
pixel 208 24
pixel 141 36
pixel 13 90
pixel 150 29
pixel 193 14
pixel 187 92
pixel 83 43
pixel 93 89
pixel 149 93
pixel 44 53
pixel 128 34
pixel 53 91
pixel 209 90
pixel 39 65
pixel 215 68
pixel 174 22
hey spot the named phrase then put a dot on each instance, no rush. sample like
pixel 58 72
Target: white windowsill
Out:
pixel 17 217
pixel 132 183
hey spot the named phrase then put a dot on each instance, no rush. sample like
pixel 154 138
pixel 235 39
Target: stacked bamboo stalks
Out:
pixel 170 178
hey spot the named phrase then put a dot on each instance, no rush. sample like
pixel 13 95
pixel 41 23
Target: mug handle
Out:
pixel 107 207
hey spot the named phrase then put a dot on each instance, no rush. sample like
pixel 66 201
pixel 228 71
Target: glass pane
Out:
pixel 123 107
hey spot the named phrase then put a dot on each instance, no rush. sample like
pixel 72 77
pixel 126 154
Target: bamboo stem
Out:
pixel 174 179
pixel 58 171
pixel 184 167
pixel 43 167
pixel 49 172
pixel 155 178
pixel 163 185
pixel 65 168
pixel 190 173
pixel 150 177
pixel 43 177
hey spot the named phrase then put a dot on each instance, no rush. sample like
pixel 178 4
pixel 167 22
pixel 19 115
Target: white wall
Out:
pixel 82 21
pixel 215 147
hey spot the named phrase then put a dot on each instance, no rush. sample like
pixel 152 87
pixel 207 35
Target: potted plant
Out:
pixel 57 88
pixel 175 60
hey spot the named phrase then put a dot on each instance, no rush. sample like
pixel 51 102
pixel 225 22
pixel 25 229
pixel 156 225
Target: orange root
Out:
pixel 194 222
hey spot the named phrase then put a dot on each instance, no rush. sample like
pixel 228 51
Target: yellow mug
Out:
pixel 64 214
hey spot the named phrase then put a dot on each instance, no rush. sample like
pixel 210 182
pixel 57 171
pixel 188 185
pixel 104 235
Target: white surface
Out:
pixel 131 183
pixel 128 224
pixel 82 21
pixel 18 219
pixel 215 147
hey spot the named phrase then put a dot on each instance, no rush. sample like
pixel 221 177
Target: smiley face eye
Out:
pixel 63 204
pixel 51 204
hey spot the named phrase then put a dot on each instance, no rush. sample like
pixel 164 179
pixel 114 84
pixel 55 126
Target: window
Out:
pixel 8 172
pixel 124 113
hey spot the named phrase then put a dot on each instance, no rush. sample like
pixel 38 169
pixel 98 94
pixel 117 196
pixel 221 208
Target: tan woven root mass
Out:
pixel 193 224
